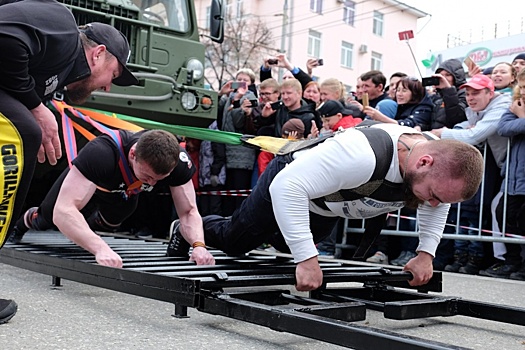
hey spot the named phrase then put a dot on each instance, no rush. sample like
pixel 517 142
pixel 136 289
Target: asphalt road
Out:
pixel 77 316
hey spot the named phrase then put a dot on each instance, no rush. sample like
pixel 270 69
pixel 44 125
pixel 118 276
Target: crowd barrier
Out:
pixel 482 233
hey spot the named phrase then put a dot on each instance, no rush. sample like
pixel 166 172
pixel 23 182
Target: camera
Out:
pixel 238 84
pixel 272 61
pixel 254 103
pixel 320 62
pixel 429 81
pixel 277 105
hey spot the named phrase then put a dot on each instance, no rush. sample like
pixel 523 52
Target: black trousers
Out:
pixel 254 222
pixel 20 139
pixel 515 224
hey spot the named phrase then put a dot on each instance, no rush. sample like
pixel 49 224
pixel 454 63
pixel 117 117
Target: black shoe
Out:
pixel 500 270
pixel 177 246
pixel 459 261
pixel 7 310
pixel 23 225
pixel 518 275
pixel 473 266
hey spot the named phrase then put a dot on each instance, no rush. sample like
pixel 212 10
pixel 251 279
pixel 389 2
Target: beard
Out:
pixel 410 199
pixel 79 92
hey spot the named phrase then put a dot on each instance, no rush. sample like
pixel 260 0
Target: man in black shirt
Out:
pixel 101 190
pixel 41 51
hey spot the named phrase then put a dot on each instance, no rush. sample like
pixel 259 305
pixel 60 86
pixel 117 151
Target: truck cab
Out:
pixel 166 56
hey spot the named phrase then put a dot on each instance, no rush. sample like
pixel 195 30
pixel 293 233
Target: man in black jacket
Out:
pixel 42 50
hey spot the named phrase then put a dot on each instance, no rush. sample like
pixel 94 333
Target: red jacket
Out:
pixel 347 122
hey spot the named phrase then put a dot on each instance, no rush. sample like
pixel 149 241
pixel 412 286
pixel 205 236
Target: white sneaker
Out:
pixel 378 258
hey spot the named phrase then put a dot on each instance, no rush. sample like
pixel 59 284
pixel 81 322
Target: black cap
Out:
pixel 332 107
pixel 117 44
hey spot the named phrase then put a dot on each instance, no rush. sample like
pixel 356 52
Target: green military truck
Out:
pixel 166 56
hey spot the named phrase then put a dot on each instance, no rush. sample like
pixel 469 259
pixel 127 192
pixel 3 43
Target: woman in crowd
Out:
pixel 504 77
pixel 312 93
pixel 414 107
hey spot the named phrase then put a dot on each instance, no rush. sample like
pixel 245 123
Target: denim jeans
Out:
pixel 469 219
pixel 254 222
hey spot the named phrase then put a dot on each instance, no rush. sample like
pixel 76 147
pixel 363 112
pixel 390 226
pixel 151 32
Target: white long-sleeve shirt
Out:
pixel 482 127
pixel 345 161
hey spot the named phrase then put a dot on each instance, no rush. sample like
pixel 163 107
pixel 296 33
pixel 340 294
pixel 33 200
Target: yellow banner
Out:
pixel 11 166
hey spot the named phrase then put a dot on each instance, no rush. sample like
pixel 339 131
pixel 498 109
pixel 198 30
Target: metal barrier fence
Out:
pixel 484 234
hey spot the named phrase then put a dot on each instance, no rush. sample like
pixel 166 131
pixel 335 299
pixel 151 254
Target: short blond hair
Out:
pixel 269 83
pixel 294 84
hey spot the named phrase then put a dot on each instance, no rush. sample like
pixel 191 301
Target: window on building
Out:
pixel 239 8
pixel 377 61
pixel 208 14
pixel 347 51
pixel 378 23
pixel 349 12
pixel 314 44
pixel 316 6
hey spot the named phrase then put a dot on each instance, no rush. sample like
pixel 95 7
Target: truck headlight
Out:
pixel 196 67
pixel 188 101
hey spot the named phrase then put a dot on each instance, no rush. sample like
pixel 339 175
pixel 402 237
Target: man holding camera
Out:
pixel 293 106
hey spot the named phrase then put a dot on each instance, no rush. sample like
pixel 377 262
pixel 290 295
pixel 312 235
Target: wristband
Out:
pixel 198 244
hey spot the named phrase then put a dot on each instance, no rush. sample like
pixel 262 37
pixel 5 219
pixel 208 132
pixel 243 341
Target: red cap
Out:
pixel 479 82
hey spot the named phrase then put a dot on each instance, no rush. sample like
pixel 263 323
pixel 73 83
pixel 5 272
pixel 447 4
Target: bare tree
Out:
pixel 246 41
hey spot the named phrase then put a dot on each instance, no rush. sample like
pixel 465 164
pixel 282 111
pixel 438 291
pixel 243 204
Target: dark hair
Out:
pixel 376 76
pixel 415 86
pixel 398 75
pixel 159 149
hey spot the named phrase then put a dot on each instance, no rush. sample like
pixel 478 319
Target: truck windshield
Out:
pixel 168 13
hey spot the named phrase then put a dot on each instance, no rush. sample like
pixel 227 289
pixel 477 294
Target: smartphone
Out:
pixel 238 84
pixel 277 105
pixel 254 103
pixel 469 63
pixel 272 61
pixel 429 81
pixel 320 62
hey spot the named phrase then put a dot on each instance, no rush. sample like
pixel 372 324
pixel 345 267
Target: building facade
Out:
pixel 352 37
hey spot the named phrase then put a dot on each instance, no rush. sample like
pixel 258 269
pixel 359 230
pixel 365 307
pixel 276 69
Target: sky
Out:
pixel 462 17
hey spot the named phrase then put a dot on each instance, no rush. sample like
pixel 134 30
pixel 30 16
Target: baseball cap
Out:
pixel 332 107
pixel 478 82
pixel 293 124
pixel 117 44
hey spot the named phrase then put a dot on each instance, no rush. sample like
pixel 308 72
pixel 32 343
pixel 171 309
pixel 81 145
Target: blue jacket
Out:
pixel 512 126
pixel 416 114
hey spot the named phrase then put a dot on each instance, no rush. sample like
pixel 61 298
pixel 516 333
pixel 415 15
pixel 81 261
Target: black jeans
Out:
pixel 20 139
pixel 254 222
pixel 515 224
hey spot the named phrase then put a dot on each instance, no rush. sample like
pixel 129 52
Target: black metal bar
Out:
pixel 324 315
pixel 406 310
pixel 180 290
pixel 314 326
pixel 492 312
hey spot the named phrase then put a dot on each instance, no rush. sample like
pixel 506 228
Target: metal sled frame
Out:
pixel 238 287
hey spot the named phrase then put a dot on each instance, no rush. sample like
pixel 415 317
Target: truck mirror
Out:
pixel 217 21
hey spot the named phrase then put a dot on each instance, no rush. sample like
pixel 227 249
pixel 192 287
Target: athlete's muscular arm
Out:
pixel 191 221
pixel 74 194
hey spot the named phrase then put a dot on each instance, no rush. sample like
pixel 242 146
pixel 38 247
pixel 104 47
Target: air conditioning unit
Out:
pixel 363 48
